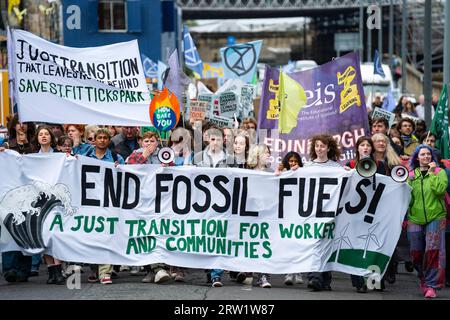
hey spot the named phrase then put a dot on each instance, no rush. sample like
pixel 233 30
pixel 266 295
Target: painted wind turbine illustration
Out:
pixel 342 238
pixel 370 237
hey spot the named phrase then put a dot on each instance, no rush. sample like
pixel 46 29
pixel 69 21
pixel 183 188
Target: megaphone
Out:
pixel 366 167
pixel 166 155
pixel 399 173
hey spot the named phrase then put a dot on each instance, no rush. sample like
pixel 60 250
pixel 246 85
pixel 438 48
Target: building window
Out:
pixel 112 15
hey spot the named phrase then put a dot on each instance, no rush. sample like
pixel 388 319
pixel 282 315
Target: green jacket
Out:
pixel 427 196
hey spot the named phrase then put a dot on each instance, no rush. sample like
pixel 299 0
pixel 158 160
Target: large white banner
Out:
pixel 100 85
pixel 312 219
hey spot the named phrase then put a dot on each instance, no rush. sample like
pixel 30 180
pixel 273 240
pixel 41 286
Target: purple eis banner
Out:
pixel 335 105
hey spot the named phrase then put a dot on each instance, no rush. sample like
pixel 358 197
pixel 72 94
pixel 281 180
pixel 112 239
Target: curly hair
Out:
pixel 289 155
pixel 333 149
pixel 79 127
pixel 399 124
pixel 414 161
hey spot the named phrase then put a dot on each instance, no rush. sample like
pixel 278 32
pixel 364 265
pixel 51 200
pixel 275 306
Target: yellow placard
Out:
pixel 4 97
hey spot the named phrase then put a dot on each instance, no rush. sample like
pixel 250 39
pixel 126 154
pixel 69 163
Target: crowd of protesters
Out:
pixel 422 245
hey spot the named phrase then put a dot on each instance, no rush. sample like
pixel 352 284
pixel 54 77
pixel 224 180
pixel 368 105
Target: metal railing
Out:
pixel 278 4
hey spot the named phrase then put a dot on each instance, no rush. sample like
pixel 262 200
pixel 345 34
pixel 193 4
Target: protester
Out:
pixel 259 160
pixel 406 128
pixel 381 125
pixel 384 154
pixel 76 132
pixel 112 131
pixel 387 159
pixel 250 125
pixel 420 109
pixel 57 129
pixel 102 152
pixel 65 144
pixel 148 153
pixel 215 156
pixel 89 134
pixel 28 131
pixel 18 139
pixel 228 140
pixel 181 144
pixel 421 128
pixel 291 161
pixel 324 152
pixel 409 110
pixel 126 142
pixel 45 142
pixel 15 265
pixel 427 219
pixel 241 148
pixel 364 149
pixel 429 139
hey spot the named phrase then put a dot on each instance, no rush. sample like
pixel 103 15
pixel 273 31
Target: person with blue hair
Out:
pixel 427 219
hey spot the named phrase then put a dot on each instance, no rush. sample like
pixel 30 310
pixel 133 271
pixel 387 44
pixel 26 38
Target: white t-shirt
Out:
pixel 328 163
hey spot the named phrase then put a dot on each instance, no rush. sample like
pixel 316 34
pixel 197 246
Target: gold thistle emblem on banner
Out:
pixel 349 95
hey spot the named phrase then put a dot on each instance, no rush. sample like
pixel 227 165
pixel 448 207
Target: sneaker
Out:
pixel 179 276
pixel 248 281
pixel 114 275
pixel 216 283
pixel 315 285
pixel 149 277
pixel 240 278
pixel 263 282
pixel 106 280
pixel 33 273
pixel 161 276
pixel 68 271
pixel 10 276
pixel 124 269
pixel 362 289
pixel 298 278
pixel 409 266
pixel 431 293
pixel 77 268
pixel 93 278
pixel 326 288
pixel 22 278
pixel 289 279
pixel 423 287
pixel 71 269
pixel 390 278
pixel 135 271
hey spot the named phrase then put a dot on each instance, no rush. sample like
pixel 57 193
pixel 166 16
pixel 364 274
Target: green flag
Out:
pixel 439 125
